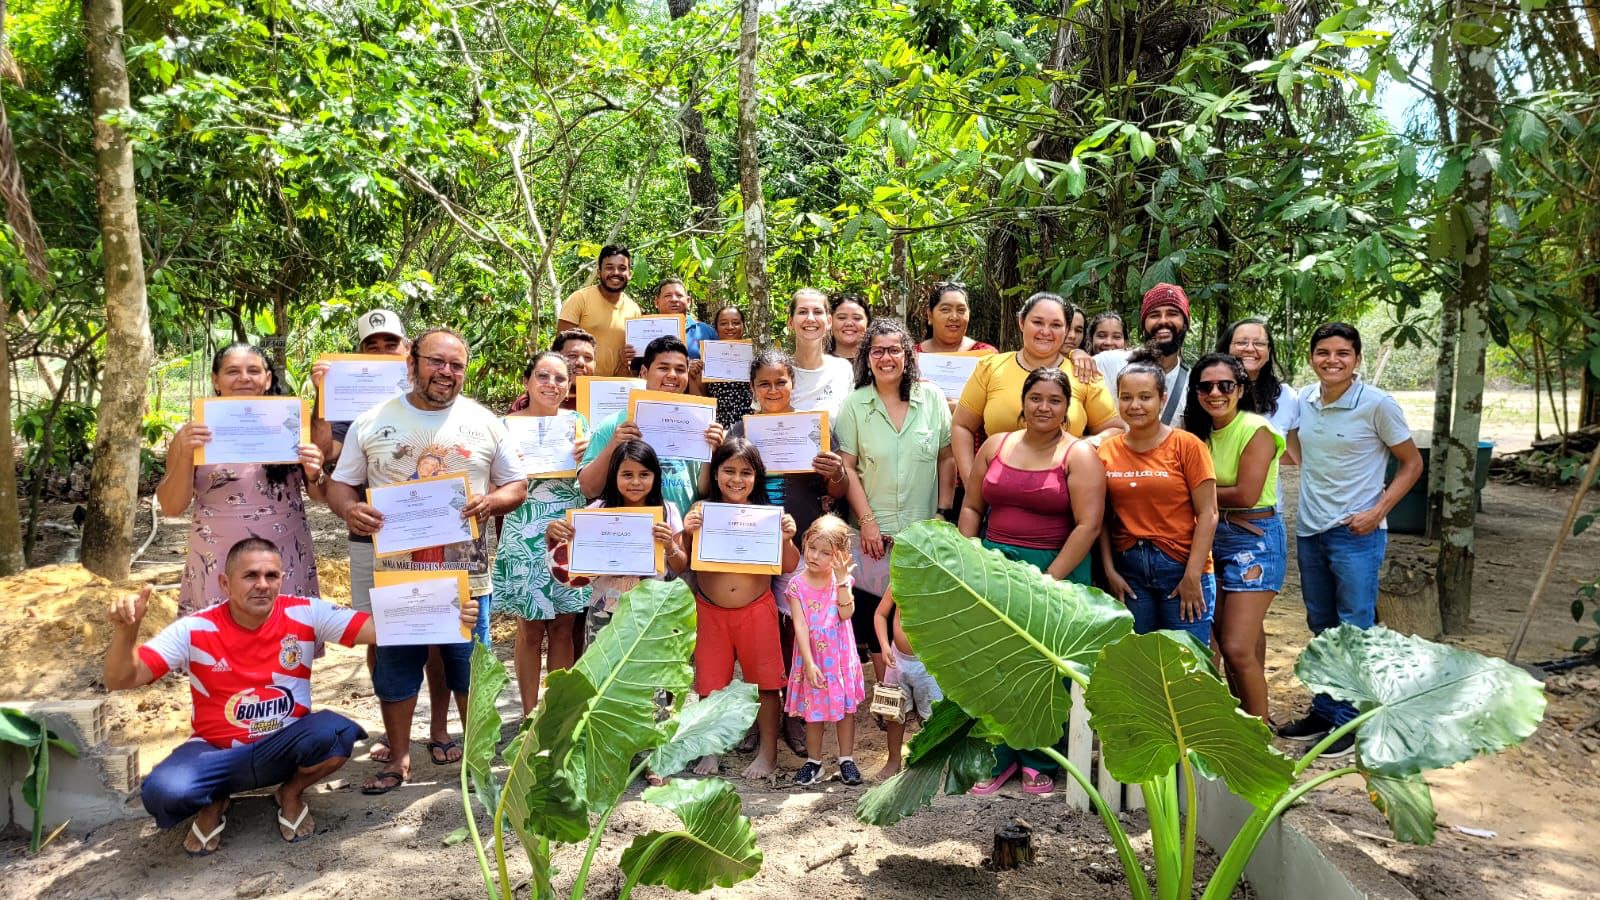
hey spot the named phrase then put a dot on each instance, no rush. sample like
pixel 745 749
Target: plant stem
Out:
pixel 1191 818
pixel 477 842
pixel 633 879
pixel 598 830
pixel 500 846
pixel 1230 868
pixel 1334 735
pixel 1161 805
pixel 1137 885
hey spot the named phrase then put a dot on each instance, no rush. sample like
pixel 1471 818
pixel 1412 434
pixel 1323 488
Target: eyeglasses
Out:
pixel 547 378
pixel 1249 343
pixel 891 352
pixel 1218 387
pixel 445 365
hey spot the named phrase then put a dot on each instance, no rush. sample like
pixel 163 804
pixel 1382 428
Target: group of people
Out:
pixel 1155 480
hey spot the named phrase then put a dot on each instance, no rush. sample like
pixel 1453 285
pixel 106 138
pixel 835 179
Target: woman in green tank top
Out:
pixel 1251 548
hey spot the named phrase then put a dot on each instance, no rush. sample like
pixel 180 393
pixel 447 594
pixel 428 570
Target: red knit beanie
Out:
pixel 1165 294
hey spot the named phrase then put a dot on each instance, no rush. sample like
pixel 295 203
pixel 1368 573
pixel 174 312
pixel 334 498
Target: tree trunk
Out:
pixel 1444 382
pixel 703 190
pixel 11 558
pixel 1589 396
pixel 1475 65
pixel 755 210
pixel 114 483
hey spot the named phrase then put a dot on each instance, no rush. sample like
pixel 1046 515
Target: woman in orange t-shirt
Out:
pixel 1161 493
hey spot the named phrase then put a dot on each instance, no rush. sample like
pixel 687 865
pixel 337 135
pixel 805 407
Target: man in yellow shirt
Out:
pixel 602 308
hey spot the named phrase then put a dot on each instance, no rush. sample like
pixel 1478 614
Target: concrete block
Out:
pixel 91 789
pixel 86 717
pixel 120 765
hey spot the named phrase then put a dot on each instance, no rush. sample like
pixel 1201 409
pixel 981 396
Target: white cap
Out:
pixel 379 321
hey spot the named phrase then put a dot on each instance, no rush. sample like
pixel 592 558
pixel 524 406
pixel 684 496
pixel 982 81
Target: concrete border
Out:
pixel 1303 856
pixel 98 786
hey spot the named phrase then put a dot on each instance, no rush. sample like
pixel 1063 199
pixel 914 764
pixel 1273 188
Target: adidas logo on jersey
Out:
pixel 222 666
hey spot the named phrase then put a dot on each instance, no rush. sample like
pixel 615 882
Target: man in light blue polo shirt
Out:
pixel 1347 431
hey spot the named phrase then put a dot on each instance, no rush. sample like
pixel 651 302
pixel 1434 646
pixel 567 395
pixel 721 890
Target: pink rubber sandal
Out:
pixel 993 785
pixel 1036 782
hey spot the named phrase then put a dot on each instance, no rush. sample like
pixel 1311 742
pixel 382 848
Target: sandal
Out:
pixel 381 783
pixel 294 827
pixel 194 829
pixel 993 785
pixel 1036 782
pixel 380 743
pixel 438 749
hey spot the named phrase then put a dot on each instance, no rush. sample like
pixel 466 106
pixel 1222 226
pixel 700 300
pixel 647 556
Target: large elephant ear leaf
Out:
pixel 646 647
pixel 1406 802
pixel 945 753
pixel 998 636
pixel 716 847
pixel 710 726
pixel 1435 705
pixel 544 790
pixel 489 678
pixel 1152 700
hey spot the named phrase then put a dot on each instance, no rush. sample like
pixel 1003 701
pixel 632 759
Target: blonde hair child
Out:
pixel 825 683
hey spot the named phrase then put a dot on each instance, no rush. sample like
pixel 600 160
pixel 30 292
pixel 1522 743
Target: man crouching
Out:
pixel 249 667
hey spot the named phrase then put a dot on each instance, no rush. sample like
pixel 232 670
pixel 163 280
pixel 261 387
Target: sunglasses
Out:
pixel 1220 387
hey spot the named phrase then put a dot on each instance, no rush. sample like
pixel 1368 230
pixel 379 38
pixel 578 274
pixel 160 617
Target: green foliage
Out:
pixel 715 848
pixel 21 729
pixel 946 753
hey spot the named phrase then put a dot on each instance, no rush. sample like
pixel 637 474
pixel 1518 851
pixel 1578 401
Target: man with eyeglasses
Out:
pixel 430 431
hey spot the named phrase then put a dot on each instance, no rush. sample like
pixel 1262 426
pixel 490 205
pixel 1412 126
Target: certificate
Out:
pixel 252 429
pixel 641 330
pixel 421 514
pixel 788 441
pixel 737 537
pixel 356 382
pixel 674 425
pixel 726 360
pixel 949 371
pixel 547 442
pixel 419 607
pixel 600 396
pixel 618 541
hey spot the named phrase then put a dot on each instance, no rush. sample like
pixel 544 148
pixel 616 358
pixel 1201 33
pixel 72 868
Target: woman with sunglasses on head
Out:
pixel 1251 548
pixel 948 317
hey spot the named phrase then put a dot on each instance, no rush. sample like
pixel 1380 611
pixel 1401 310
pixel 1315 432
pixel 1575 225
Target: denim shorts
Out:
pixel 1248 562
pixel 1153 576
pixel 397 669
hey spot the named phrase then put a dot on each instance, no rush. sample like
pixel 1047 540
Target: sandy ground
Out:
pixel 1538 798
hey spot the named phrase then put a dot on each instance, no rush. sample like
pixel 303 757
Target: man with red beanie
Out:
pixel 1163 323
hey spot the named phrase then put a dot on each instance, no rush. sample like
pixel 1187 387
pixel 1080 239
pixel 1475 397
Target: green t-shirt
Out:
pixel 1227 446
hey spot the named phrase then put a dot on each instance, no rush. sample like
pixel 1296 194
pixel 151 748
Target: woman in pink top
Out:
pixel 1044 491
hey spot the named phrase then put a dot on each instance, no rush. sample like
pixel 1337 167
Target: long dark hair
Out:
pixel 878 329
pixel 743 449
pixel 1261 395
pixel 644 455
pixel 277 473
pixel 1195 418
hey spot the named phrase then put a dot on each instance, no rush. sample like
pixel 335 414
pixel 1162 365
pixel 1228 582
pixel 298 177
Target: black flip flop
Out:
pixel 444 748
pixel 384 784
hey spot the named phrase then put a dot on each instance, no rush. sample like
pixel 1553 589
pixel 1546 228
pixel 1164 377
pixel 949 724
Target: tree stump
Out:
pixel 1013 847
pixel 1408 600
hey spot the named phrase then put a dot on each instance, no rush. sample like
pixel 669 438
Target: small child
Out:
pixel 825 683
pixel 902 668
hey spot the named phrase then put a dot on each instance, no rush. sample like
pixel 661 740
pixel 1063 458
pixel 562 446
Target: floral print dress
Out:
pixel 237 501
pixel 833 649
pixel 523 584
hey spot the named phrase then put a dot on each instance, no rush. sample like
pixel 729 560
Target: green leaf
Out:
pixel 1436 705
pixel 1406 802
pixel 1151 701
pixel 710 726
pixel 544 790
pixel 645 648
pixel 17 727
pixel 997 635
pixel 489 678
pixel 945 753
pixel 901 137
pixel 715 848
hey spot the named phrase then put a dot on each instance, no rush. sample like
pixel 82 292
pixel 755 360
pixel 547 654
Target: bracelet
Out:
pixel 839 479
pixel 869 516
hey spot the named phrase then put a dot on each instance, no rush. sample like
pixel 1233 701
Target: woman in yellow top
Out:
pixel 992 401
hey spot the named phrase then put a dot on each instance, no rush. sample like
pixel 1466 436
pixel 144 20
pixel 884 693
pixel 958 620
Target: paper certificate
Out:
pixel 421 514
pixel 735 537
pixel 259 430
pixel 641 330
pixel 949 371
pixel 674 425
pixel 726 360
pixel 356 382
pixel 547 442
pixel 618 541
pixel 419 607
pixel 788 441
pixel 600 396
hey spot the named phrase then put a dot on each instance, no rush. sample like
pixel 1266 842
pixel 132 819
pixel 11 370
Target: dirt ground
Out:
pixel 1538 798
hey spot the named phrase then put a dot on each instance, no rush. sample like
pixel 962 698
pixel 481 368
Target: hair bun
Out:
pixel 1144 355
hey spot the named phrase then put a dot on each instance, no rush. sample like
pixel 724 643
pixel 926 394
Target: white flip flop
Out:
pixel 294 827
pixel 194 829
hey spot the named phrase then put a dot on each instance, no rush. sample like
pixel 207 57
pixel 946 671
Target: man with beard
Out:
pixel 602 308
pixel 248 663
pixel 1164 322
pixel 432 430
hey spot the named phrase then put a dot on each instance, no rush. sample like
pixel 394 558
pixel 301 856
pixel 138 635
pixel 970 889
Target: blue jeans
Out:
pixel 1339 582
pixel 197 774
pixel 1249 562
pixel 1153 576
pixel 397 670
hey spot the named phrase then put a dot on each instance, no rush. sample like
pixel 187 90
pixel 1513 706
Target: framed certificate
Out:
pixel 547 443
pixel 788 441
pixel 421 514
pixel 737 537
pixel 356 382
pixel 261 430
pixel 726 360
pixel 674 425
pixel 600 396
pixel 641 330
pixel 618 541
pixel 949 371
pixel 419 607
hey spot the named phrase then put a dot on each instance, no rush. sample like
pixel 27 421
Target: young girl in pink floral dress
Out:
pixel 825 682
